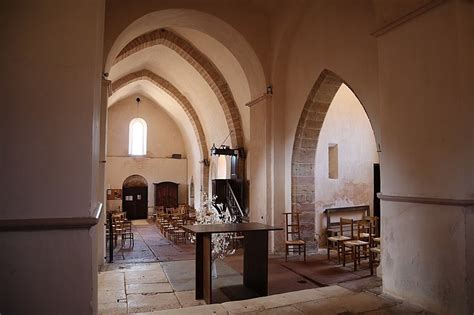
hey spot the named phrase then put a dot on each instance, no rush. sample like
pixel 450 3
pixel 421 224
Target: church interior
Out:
pixel 328 145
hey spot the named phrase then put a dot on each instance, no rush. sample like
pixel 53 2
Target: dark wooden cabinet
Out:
pixel 166 194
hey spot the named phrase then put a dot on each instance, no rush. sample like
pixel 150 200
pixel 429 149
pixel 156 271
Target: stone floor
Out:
pixel 157 277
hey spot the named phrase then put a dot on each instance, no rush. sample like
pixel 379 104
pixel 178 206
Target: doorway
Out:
pixel 376 189
pixel 135 197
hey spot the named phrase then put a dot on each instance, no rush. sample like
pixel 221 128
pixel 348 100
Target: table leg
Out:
pixel 256 261
pixel 199 267
pixel 207 274
pixel 203 267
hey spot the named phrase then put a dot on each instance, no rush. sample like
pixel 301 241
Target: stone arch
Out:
pixel 171 90
pixel 202 64
pixel 200 21
pixel 135 181
pixel 304 149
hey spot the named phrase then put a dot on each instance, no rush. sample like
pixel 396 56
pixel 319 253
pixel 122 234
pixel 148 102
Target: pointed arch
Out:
pixel 304 149
pixel 202 64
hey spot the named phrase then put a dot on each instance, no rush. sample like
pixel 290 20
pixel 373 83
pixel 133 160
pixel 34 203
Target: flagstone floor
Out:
pixel 156 276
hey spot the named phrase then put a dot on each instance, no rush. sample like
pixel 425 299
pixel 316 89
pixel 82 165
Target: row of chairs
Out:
pixel 120 227
pixel 181 209
pixel 364 243
pixel 171 227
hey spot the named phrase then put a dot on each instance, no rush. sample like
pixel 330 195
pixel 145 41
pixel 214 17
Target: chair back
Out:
pixel 182 209
pixel 346 227
pixel 375 223
pixel 160 209
pixel 292 226
pixel 364 226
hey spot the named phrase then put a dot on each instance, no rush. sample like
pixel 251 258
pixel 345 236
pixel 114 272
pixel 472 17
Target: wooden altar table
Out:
pixel 255 255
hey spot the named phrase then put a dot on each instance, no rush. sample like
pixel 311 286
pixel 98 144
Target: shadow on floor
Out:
pixel 178 263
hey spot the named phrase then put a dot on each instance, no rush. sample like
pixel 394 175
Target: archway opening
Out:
pixel 346 155
pixel 335 169
pixel 222 172
pixel 135 197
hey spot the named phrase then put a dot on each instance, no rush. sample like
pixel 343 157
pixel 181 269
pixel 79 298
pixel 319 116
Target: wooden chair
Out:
pixel 346 233
pixel 293 241
pixel 374 253
pixel 178 235
pixel 183 209
pixel 237 240
pixel 117 224
pixel 175 232
pixel 373 232
pixel 127 233
pixel 357 246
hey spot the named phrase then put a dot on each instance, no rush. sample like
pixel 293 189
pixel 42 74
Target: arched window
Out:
pixel 137 137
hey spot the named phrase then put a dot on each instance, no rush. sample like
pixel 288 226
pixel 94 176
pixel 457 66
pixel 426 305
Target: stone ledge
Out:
pixel 44 224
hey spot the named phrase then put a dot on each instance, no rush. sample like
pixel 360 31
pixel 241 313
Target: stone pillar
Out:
pixel 101 191
pixel 425 73
pixel 259 161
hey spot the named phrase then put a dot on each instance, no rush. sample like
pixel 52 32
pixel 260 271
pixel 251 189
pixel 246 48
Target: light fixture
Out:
pixel 138 100
pixel 223 150
pixel 269 89
pixel 213 149
pixel 226 150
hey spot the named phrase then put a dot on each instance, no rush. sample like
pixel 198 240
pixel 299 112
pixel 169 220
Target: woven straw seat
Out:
pixel 339 238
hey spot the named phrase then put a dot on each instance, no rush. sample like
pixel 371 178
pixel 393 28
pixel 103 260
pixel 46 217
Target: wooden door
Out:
pixel 166 194
pixel 135 202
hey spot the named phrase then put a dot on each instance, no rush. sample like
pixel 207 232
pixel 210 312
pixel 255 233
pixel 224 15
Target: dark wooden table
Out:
pixel 255 255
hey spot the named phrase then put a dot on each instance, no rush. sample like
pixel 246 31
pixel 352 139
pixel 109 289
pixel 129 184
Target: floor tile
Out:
pixel 113 308
pixel 141 303
pixel 163 287
pixel 111 296
pixel 144 276
pixel 188 298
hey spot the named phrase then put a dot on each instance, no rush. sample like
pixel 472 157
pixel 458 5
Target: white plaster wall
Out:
pixel 154 170
pixel 414 83
pixel 339 41
pixel 176 112
pixel 427 151
pixel 163 135
pixel 425 260
pixel 164 138
pixel 48 272
pixel 347 125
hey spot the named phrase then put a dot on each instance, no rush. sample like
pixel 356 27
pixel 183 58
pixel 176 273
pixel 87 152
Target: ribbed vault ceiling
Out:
pixel 169 65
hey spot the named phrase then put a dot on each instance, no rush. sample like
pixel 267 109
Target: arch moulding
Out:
pixel 304 150
pixel 202 64
pixel 211 25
